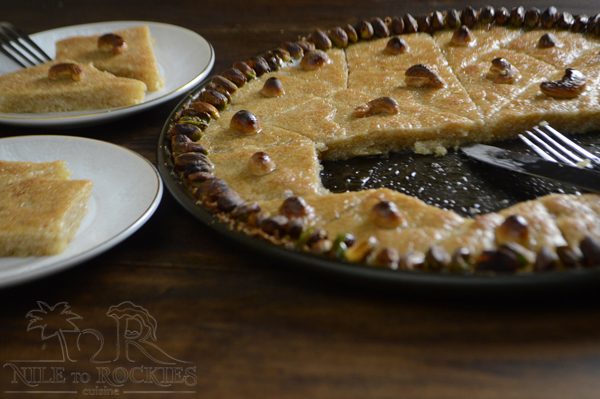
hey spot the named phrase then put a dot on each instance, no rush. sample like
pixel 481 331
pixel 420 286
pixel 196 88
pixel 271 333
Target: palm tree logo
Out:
pixel 54 321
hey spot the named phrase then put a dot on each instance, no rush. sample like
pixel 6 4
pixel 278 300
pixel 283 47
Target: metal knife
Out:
pixel 580 177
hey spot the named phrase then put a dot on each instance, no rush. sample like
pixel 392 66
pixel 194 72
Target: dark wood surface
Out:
pixel 244 326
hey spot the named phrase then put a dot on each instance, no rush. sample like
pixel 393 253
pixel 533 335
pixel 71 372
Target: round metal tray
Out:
pixel 451 182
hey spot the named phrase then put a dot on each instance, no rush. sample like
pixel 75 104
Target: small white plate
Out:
pixel 127 190
pixel 184 59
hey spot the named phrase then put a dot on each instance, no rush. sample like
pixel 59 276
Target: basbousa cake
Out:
pixel 426 84
pixel 40 209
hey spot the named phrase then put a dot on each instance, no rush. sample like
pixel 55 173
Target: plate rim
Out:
pixel 414 280
pixel 97 116
pixel 99 248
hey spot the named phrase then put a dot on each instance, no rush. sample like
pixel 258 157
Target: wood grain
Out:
pixel 253 327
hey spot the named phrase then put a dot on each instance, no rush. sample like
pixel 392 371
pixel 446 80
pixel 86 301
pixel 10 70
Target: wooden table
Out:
pixel 232 324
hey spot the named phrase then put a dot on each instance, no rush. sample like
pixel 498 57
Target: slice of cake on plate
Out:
pixel 61 86
pixel 127 53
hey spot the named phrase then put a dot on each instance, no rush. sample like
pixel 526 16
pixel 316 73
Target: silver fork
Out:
pixel 554 146
pixel 17 46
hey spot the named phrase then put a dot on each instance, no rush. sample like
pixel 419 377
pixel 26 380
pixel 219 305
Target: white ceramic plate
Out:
pixel 184 59
pixel 127 190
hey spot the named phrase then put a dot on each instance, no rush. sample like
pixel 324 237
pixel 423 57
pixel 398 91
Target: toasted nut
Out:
pixel 235 75
pixel 274 225
pixel 410 24
pixel 487 14
pixel 571 85
pixel 293 49
pixel 397 26
pixel 499 261
pixel 437 21
pixel 570 257
pixel 469 17
pixel 296 207
pixel 590 247
pixel 66 69
pixel 224 83
pixel 212 189
pixel 364 29
pixel 245 69
pixel 351 32
pixel 314 59
pixel 360 251
pixel 192 132
pixel 379 105
pixel 517 16
pixel 546 260
pixel 196 179
pixel 259 65
pixel 514 229
pixel 565 20
pixel 216 98
pixel 273 60
pixel 245 122
pixel 387 258
pixel 396 45
pixel 282 54
pixel 204 107
pixel 310 236
pixel 549 40
pixel 503 72
pixel 191 117
pixel 386 215
pixel 243 212
pixel 380 29
pixel 181 148
pixel 411 261
pixel 580 24
pixel 421 75
pixel 220 89
pixel 306 46
pixel 179 139
pixel 272 88
pixel 593 26
pixel 437 258
pixel 181 161
pixel 502 16
pixel 115 43
pixel 549 17
pixel 452 19
pixel 424 23
pixel 338 37
pixel 261 164
pixel 321 246
pixel 341 244
pixel 229 201
pixel 320 39
pixel 462 36
pixel 532 17
pixel 462 261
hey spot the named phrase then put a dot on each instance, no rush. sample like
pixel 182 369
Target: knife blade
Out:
pixel 586 179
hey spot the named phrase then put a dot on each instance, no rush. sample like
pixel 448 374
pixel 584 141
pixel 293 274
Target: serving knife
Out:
pixel 583 178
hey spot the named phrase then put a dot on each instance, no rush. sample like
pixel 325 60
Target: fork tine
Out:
pixel 545 148
pixel 535 148
pixel 10 36
pixel 557 146
pixel 571 144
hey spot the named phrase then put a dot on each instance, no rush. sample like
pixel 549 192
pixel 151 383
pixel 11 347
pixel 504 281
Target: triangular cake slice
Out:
pixel 40 209
pixel 266 173
pixel 572 115
pixel 490 90
pixel 560 52
pixel 373 70
pixel 60 86
pixel 135 59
